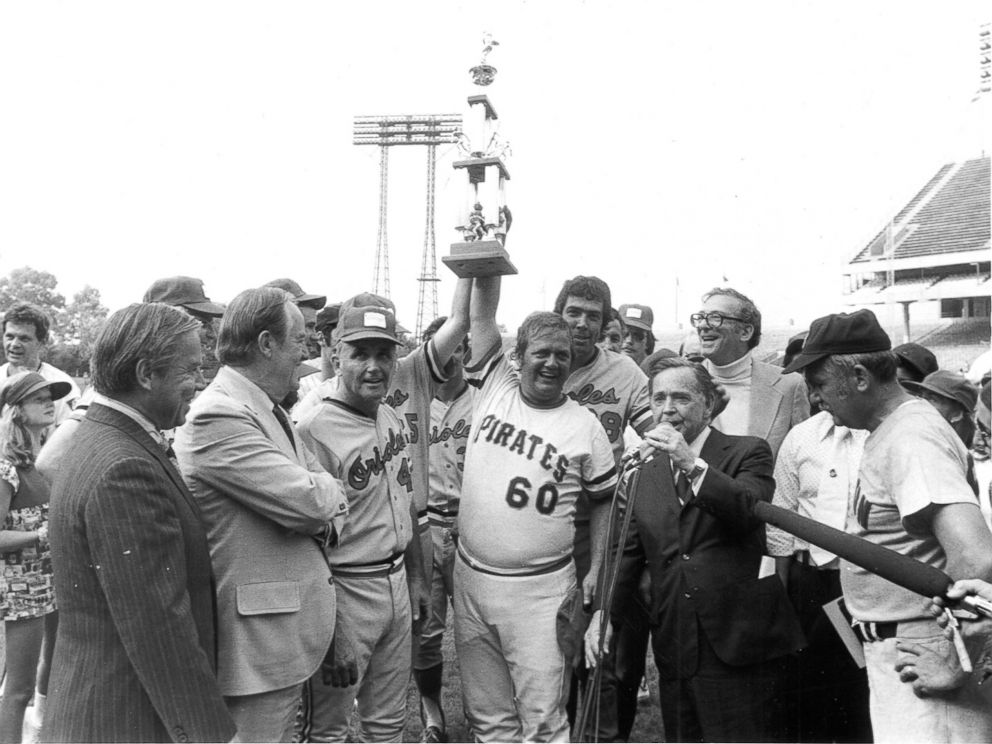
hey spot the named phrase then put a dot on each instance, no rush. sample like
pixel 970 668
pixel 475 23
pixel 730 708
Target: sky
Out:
pixel 658 145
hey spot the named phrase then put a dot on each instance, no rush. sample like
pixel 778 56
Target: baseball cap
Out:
pixel 637 316
pixel 20 386
pixel 299 296
pixel 918 358
pixel 360 323
pixel 949 385
pixel 183 291
pixel 841 333
pixel 327 318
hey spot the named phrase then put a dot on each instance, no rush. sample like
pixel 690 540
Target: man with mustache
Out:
pixel 377 562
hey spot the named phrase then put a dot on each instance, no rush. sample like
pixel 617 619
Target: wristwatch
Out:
pixel 697 469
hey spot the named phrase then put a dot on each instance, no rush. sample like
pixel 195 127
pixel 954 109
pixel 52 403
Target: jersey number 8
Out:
pixel 518 496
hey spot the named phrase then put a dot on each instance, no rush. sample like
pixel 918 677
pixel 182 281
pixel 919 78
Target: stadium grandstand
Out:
pixel 926 273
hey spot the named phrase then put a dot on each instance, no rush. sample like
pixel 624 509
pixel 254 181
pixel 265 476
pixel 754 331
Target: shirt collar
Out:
pixel 696 445
pixel 132 413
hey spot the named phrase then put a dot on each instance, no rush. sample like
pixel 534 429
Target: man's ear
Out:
pixel 748 332
pixel 861 378
pixel 143 373
pixel 265 342
pixel 335 360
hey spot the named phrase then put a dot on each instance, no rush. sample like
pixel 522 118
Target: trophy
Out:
pixel 483 217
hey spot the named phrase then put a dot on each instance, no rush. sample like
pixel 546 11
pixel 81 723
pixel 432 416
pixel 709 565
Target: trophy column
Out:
pixel 483 218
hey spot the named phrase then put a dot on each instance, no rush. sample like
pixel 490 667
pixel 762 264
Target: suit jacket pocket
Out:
pixel 268 597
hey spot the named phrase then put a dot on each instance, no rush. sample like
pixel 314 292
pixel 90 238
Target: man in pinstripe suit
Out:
pixel 135 658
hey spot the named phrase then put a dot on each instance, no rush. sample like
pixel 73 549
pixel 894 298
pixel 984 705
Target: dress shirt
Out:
pixel 815 474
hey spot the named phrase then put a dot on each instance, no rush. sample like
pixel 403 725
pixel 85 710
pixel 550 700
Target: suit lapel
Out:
pixel 110 417
pixel 765 399
pixel 241 389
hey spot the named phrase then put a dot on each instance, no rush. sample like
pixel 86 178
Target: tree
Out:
pixel 82 320
pixel 31 285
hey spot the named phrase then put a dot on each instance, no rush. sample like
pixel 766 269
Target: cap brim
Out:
pixel 311 300
pixel 639 324
pixel 804 360
pixel 206 308
pixel 364 335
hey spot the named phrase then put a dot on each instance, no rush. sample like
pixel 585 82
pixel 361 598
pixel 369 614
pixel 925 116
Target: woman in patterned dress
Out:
pixel 27 599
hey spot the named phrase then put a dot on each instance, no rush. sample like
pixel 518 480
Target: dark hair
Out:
pixel 147 330
pixel 535 324
pixel 25 313
pixel 704 382
pixel 588 288
pixel 748 311
pixel 251 312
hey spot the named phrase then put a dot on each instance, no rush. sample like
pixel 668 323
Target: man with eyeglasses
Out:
pixel 763 402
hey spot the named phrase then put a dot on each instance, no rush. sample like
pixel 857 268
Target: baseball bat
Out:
pixel 907 572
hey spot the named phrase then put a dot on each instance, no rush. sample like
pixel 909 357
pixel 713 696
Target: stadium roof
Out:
pixel 949 215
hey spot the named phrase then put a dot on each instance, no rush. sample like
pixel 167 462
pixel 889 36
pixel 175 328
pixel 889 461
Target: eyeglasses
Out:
pixel 713 320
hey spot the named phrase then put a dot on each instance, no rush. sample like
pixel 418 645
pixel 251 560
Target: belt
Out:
pixel 371 570
pixel 556 566
pixel 422 521
pixel 441 517
pixel 871 632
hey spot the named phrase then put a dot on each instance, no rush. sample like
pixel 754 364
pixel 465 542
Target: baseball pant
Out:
pixel 515 638
pixel 442 586
pixel 897 715
pixel 375 611
pixel 267 716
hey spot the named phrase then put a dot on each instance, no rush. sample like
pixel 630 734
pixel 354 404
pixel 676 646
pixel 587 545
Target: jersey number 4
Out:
pixel 518 495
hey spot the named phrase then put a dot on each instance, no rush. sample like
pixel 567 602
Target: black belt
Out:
pixel 871 632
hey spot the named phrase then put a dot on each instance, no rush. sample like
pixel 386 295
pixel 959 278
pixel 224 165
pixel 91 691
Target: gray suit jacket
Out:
pixel 135 654
pixel 263 498
pixel 778 402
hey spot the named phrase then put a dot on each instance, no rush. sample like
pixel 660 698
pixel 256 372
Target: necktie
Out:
pixel 683 489
pixel 284 423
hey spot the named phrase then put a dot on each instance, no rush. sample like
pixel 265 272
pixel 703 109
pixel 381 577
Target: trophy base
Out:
pixel 478 259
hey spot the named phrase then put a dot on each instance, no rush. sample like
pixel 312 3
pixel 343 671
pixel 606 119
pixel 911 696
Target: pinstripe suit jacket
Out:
pixel 135 656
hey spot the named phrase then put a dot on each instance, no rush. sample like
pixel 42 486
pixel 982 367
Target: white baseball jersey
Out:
pixel 370 456
pixel 411 390
pixel 614 388
pixel 524 470
pixel 450 425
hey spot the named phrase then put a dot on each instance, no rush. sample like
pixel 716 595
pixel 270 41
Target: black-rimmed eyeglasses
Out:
pixel 713 320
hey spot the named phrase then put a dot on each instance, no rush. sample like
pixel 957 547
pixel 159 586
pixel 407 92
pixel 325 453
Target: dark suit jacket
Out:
pixel 703 560
pixel 135 654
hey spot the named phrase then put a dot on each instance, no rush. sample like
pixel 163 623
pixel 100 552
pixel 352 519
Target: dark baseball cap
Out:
pixel 299 296
pixel 841 333
pixel 983 411
pixel 327 318
pixel 637 316
pixel 369 299
pixel 183 291
pixel 918 358
pixel 20 386
pixel 361 323
pixel 948 385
